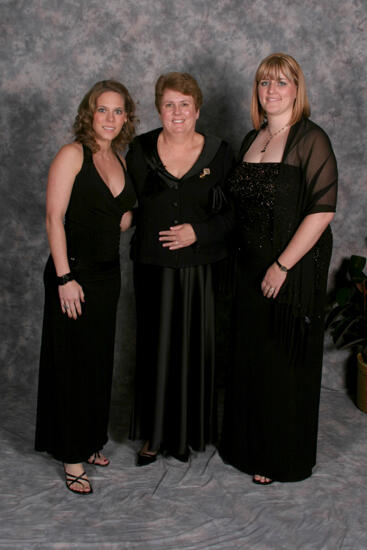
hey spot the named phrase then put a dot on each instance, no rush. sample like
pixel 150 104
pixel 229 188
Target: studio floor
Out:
pixel 203 504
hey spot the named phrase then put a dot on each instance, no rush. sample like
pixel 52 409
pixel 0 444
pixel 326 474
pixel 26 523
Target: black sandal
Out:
pixel 71 478
pixel 144 459
pixel 96 455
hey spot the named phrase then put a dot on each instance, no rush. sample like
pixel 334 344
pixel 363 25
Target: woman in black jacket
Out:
pixel 182 226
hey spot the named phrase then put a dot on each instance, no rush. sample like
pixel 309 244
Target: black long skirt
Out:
pixel 76 365
pixel 272 402
pixel 174 404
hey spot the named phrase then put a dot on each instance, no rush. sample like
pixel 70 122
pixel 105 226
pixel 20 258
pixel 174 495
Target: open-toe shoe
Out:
pixel 266 481
pixel 93 460
pixel 70 479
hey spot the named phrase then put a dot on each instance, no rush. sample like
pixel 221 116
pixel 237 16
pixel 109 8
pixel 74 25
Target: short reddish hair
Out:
pixel 180 82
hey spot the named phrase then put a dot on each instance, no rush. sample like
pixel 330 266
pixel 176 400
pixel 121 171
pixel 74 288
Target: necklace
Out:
pixel 271 137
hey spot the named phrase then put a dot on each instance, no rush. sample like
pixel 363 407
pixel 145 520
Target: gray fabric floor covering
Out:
pixel 169 505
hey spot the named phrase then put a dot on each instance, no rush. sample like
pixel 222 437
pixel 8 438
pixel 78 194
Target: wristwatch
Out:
pixel 281 267
pixel 65 278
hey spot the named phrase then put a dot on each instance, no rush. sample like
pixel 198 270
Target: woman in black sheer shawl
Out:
pixel 285 194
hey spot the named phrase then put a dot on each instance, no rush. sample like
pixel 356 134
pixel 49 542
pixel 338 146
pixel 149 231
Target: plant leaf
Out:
pixel 333 315
pixel 348 330
pixel 353 343
pixel 344 295
pixel 356 266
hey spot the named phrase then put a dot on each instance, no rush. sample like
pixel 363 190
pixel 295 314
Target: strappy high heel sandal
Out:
pixel 70 479
pixel 95 456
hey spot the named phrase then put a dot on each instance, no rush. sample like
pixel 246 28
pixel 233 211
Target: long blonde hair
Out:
pixel 271 67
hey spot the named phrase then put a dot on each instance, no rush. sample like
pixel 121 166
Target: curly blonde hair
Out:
pixel 83 124
pixel 271 67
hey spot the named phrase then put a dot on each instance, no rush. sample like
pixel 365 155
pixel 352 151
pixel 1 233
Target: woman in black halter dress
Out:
pixel 284 191
pixel 88 187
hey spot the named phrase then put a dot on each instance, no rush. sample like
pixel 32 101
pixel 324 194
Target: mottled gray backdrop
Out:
pixel 54 50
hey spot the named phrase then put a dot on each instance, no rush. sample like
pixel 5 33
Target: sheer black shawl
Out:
pixel 307 184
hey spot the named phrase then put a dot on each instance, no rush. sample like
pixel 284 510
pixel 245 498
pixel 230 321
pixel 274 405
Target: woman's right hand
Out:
pixel 178 236
pixel 71 295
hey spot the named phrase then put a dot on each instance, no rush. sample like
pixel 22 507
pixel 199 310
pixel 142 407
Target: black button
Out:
pixel 176 222
pixel 175 204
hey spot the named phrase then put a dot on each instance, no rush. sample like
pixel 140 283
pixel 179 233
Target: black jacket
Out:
pixel 197 198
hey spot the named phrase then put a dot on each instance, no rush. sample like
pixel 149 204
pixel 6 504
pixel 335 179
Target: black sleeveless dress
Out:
pixel 77 355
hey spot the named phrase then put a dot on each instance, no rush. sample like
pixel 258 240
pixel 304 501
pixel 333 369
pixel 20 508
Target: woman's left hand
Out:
pixel 178 236
pixel 273 281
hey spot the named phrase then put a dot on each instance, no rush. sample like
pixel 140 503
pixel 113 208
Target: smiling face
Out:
pixel 277 96
pixel 178 112
pixel 109 116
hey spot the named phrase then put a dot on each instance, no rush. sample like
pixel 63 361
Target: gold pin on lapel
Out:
pixel 205 172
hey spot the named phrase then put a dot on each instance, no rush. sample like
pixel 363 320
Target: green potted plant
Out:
pixel 347 321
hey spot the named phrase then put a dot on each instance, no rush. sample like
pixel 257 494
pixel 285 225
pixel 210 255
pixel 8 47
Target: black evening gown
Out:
pixel 77 355
pixel 175 399
pixel 272 401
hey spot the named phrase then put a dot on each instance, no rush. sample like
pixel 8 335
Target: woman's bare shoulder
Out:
pixel 72 150
pixel 72 154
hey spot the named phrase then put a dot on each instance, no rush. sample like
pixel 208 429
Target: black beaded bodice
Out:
pixel 253 186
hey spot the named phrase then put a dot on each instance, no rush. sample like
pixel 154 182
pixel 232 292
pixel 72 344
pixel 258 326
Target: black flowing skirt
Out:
pixel 174 404
pixel 272 399
pixel 76 365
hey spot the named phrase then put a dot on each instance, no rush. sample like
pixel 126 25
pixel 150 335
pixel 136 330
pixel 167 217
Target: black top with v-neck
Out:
pixel 92 219
pixel 197 198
